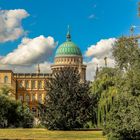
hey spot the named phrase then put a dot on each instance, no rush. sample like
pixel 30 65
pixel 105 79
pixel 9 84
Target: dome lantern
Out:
pixel 68 36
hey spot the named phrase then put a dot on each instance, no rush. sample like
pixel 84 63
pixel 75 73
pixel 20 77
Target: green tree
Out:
pixel 68 101
pixel 126 53
pixel 123 118
pixel 105 88
pixel 13 113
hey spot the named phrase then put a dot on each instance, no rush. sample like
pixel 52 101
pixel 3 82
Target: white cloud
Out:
pixel 31 51
pixel 44 68
pixel 97 53
pixel 10 24
pixel 101 49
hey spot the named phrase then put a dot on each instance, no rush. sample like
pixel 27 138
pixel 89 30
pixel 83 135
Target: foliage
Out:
pixel 105 89
pixel 123 120
pixel 68 101
pixel 5 90
pixel 126 53
pixel 13 113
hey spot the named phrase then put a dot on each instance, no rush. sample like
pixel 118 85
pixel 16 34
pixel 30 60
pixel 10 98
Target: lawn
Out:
pixel 43 134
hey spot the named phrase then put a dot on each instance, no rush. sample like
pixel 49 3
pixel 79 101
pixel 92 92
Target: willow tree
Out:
pixel 105 88
pixel 68 102
pixel 123 120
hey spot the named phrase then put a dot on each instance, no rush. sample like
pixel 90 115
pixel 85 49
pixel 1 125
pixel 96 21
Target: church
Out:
pixel 29 88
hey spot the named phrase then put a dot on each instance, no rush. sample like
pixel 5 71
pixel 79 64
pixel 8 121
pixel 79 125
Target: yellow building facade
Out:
pixel 28 88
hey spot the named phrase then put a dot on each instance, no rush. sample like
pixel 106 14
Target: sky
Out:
pixel 31 31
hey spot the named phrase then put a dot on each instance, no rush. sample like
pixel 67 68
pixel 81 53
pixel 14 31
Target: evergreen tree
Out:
pixel 68 102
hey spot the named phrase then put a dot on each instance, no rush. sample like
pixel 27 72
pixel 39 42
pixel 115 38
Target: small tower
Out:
pixel 97 70
pixel 105 59
pixel 38 69
pixel 132 31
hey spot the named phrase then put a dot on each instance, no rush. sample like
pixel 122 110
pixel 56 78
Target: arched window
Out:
pixel 6 79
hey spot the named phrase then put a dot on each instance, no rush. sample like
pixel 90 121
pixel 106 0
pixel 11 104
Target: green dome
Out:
pixel 68 48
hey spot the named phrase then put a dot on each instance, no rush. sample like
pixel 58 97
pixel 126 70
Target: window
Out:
pixel 27 98
pixel 33 98
pixel 6 79
pixel 20 97
pixel 27 84
pixel 33 84
pixel 40 98
pixel 20 84
pixel 40 84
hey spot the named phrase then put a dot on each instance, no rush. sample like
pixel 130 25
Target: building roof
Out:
pixel 68 48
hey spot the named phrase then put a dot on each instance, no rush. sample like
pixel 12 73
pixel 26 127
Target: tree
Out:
pixel 123 118
pixel 105 88
pixel 126 53
pixel 13 113
pixel 68 102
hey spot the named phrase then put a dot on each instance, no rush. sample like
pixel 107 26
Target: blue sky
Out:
pixel 90 20
pixel 25 27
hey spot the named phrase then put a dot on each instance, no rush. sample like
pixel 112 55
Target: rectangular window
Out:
pixel 26 84
pixel 20 83
pixel 33 84
pixel 20 97
pixel 33 98
pixel 6 79
pixel 40 84
pixel 40 98
pixel 27 98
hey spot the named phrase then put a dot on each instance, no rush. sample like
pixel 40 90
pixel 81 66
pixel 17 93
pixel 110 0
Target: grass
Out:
pixel 43 134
